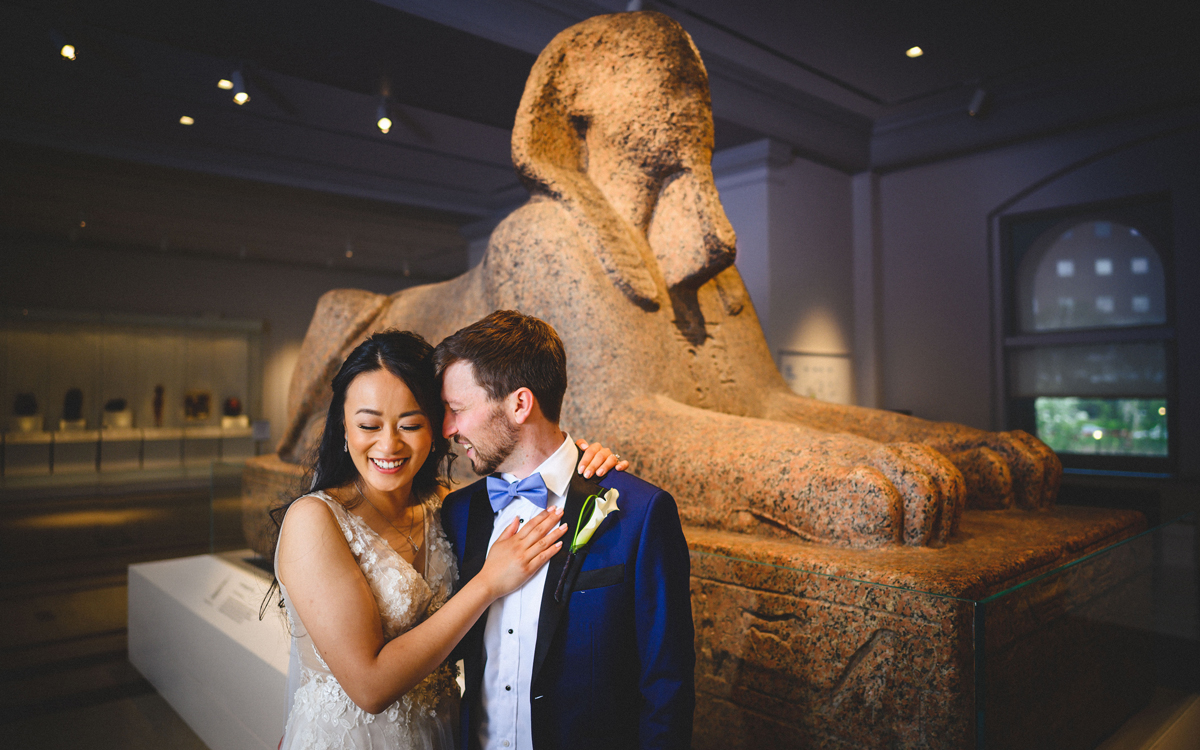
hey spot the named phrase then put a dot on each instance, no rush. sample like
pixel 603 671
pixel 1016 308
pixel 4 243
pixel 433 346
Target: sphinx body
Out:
pixel 624 248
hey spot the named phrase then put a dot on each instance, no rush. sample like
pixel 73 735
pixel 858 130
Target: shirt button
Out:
pixel 505 743
pixel 508 687
pixel 510 631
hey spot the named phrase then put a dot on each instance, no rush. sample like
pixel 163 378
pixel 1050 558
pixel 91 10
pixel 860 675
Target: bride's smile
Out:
pixel 387 434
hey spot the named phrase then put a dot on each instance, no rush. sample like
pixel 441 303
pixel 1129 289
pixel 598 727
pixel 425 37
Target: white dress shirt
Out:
pixel 510 634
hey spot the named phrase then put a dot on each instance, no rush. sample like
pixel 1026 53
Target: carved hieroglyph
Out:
pixel 624 248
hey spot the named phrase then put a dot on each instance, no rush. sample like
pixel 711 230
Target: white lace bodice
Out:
pixel 321 716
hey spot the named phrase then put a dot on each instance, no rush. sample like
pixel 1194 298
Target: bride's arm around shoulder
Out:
pixel 337 609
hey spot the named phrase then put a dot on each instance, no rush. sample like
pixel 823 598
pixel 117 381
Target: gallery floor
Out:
pixel 66 681
pixel 65 546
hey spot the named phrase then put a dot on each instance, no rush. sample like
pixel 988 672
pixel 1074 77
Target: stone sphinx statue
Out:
pixel 624 248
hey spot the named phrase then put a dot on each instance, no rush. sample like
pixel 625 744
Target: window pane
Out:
pixel 1091 370
pixel 1090 274
pixel 1118 427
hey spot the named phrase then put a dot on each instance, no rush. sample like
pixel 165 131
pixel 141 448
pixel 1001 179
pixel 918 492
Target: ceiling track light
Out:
pixel 381 116
pixel 65 48
pixel 914 51
pixel 240 96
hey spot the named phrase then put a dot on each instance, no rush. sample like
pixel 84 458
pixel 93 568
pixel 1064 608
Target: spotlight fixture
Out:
pixel 185 120
pixel 381 114
pixel 224 84
pixel 240 96
pixel 65 48
pixel 914 52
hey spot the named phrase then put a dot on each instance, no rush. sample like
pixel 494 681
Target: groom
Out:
pixel 596 649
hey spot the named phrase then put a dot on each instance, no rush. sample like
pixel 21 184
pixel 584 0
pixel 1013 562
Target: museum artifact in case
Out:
pixel 113 375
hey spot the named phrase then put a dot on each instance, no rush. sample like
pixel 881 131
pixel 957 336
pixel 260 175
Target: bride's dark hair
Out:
pixel 410 358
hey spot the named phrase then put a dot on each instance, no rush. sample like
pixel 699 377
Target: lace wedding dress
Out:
pixel 320 714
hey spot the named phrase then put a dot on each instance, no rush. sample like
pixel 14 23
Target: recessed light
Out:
pixel 68 51
pixel 185 120
pixel 225 84
pixel 914 52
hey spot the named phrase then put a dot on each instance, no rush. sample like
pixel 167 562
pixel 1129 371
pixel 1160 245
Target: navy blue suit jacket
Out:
pixel 614 662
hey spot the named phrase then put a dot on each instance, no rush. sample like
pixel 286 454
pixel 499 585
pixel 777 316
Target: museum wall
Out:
pixel 811 291
pixel 937 306
pixel 793 223
pixel 59 276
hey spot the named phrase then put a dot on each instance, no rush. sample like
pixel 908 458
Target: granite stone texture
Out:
pixel 800 645
pixel 624 248
pixel 267 483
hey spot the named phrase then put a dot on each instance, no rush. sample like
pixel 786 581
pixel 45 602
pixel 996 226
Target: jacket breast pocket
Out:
pixel 600 577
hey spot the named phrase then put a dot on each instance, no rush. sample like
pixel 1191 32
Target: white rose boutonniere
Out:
pixel 595 509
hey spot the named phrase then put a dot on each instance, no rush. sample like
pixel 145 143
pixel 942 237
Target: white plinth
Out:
pixel 194 633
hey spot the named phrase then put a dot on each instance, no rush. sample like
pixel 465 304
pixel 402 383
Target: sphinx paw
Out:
pixel 1036 470
pixel 1006 469
pixel 931 488
pixel 987 476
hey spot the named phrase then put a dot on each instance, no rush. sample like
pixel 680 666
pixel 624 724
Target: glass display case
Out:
pixel 86 393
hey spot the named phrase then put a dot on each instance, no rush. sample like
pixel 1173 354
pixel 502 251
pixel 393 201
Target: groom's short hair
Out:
pixel 508 351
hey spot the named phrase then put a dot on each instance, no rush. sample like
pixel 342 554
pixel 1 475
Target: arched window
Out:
pixel 1089 346
pixel 1091 274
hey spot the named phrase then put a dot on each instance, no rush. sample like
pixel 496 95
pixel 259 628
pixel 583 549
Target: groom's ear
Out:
pixel 521 405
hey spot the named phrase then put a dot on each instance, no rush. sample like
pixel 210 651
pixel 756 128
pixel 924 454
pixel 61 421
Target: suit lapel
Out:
pixel 479 530
pixel 552 611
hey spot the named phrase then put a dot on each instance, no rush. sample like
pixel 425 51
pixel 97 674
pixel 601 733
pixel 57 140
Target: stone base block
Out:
pixel 803 645
pixel 267 482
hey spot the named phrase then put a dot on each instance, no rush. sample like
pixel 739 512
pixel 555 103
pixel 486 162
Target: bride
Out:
pixel 366 573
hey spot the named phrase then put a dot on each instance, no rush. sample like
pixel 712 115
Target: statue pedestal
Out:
pixel 803 645
pixel 267 482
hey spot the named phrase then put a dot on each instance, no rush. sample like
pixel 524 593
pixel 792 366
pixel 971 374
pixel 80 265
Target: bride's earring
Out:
pixel 346 447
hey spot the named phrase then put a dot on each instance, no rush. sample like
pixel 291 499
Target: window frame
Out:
pixel 1150 214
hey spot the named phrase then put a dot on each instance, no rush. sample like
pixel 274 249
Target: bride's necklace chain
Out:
pixel 412 524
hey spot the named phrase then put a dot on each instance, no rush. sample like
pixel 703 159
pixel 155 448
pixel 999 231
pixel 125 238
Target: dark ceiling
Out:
pixel 860 45
pixel 830 79
pixel 355 45
pixel 367 47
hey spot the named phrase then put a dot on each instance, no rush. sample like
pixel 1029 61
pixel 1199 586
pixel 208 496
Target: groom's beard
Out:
pixel 496 445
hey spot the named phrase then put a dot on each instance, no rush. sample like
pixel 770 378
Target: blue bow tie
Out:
pixel 501 492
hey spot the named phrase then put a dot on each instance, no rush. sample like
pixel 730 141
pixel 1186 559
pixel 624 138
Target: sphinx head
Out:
pixel 616 123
